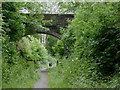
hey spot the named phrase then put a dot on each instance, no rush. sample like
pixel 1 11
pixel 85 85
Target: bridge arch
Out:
pixel 58 21
pixel 49 33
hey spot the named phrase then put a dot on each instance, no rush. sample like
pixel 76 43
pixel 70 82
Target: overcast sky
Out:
pixel 52 8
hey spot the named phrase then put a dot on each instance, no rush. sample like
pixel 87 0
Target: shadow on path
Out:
pixel 43 82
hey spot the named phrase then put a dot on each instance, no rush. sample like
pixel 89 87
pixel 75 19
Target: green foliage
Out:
pixel 32 48
pixel 96 34
pixel 34 7
pixel 69 7
pixel 74 73
pixel 34 23
pixel 18 24
pixel 16 71
pixel 55 79
pixel 94 48
pixel 35 19
pixel 92 41
pixel 106 50
pixel 51 59
pixel 59 48
pixel 13 25
pixel 51 41
pixel 37 36
pixel 69 39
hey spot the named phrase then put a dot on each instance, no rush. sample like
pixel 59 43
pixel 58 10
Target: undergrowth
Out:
pixel 92 49
pixel 17 71
pixel 67 75
pixel 20 75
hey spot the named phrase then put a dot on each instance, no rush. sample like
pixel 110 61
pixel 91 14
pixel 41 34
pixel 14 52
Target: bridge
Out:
pixel 58 20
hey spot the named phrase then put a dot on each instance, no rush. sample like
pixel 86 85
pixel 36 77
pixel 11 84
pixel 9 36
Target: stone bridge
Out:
pixel 58 20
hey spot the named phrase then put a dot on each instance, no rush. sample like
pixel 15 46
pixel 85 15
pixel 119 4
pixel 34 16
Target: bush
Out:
pixel 59 48
pixel 96 35
pixel 93 61
pixel 32 48
pixel 75 73
pixel 15 70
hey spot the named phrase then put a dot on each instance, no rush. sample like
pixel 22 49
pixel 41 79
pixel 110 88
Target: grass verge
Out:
pixel 55 80
pixel 20 76
pixel 65 76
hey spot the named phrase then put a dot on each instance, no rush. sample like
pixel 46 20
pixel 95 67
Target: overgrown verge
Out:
pixel 92 41
pixel 22 61
pixel 70 74
pixel 21 56
pixel 16 71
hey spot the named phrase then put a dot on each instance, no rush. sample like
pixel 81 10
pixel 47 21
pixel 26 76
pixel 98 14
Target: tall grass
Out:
pixel 20 76
pixel 17 71
pixel 65 75
pixel 55 80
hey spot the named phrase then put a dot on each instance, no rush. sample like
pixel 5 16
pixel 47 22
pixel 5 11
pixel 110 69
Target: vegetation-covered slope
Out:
pixel 93 48
pixel 19 51
pixel 92 41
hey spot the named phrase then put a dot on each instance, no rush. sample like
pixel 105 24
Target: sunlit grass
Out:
pixel 55 80
pixel 59 77
pixel 21 77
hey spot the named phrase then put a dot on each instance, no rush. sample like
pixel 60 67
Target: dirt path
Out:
pixel 43 82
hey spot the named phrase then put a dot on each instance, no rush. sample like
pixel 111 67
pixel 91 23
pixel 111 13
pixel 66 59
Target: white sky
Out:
pixel 53 7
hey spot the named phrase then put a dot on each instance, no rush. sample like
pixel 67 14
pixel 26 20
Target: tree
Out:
pixel 12 17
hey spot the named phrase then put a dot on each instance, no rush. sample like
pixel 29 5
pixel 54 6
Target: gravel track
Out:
pixel 43 82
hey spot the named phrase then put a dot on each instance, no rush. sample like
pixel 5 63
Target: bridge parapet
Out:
pixel 58 20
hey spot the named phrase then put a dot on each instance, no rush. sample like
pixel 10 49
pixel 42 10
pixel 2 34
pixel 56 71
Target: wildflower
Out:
pixel 76 58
